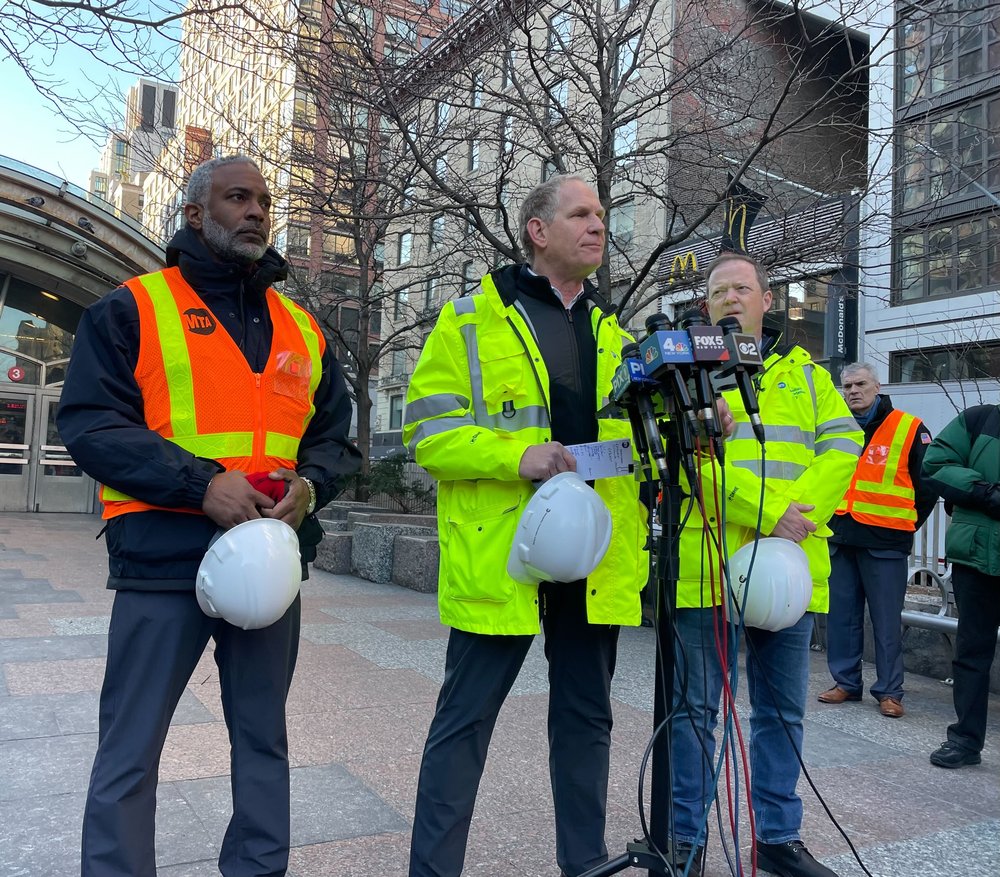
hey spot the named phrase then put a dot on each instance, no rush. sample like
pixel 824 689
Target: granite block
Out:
pixel 333 554
pixel 371 548
pixel 415 563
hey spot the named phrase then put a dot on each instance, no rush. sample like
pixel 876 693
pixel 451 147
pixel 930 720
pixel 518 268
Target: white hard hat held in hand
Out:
pixel 779 587
pixel 250 574
pixel 563 533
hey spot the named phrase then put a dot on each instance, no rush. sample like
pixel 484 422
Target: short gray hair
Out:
pixel 859 367
pixel 541 203
pixel 200 184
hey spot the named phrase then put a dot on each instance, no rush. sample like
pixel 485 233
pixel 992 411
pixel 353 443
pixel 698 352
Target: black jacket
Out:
pixel 847 531
pixel 101 421
pixel 566 341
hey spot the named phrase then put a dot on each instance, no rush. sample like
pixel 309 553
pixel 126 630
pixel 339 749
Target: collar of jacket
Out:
pixel 207 275
pixel 517 278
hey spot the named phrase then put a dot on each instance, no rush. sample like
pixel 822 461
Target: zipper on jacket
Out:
pixel 259 439
pixel 534 369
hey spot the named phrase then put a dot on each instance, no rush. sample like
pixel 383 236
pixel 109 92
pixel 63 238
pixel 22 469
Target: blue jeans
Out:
pixel 775 660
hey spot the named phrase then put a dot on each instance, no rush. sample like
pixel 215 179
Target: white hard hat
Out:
pixel 563 533
pixel 780 585
pixel 250 574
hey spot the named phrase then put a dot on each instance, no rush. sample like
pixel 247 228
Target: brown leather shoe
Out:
pixel 890 707
pixel 837 695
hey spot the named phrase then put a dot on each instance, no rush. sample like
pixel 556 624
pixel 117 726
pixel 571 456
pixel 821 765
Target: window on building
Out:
pixel 949 156
pixel 476 89
pixel 621 224
pixel 400 304
pixel 556 102
pixel 550 167
pixel 626 140
pixel 442 111
pixel 169 108
pixel 148 118
pixel 400 31
pixel 943 44
pixel 398 362
pixel 431 293
pixel 298 241
pixel 508 69
pixel 454 8
pixel 119 163
pixel 506 134
pixel 627 49
pixel 473 162
pixel 396 411
pixel 798 311
pixel 441 165
pixel 948 258
pixel 560 30
pixel 974 360
pixel 469 279
pixel 424 41
pixel 405 248
pixel 435 233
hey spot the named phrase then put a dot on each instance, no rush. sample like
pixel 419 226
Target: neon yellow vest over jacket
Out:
pixel 811 450
pixel 478 398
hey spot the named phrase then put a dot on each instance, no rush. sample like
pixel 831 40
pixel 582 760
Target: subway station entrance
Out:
pixel 60 251
pixel 36 472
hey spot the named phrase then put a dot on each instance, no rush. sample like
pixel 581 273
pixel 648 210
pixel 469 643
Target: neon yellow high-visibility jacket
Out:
pixel 478 398
pixel 811 450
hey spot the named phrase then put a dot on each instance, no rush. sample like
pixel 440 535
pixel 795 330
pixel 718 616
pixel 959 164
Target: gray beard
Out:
pixel 225 245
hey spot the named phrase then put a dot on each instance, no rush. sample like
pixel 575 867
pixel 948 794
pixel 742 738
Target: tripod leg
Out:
pixel 612 866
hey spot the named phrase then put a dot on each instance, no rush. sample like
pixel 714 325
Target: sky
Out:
pixel 39 137
pixel 33 132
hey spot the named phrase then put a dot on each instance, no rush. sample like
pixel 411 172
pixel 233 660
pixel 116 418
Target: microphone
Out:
pixel 665 352
pixel 744 358
pixel 707 348
pixel 631 389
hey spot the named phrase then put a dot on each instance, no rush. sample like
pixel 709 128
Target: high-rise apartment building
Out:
pixel 131 153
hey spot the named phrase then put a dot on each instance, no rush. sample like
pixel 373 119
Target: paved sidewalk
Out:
pixel 370 665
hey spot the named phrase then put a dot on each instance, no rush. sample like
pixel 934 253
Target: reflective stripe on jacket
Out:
pixel 812 442
pixel 478 398
pixel 199 391
pixel 881 491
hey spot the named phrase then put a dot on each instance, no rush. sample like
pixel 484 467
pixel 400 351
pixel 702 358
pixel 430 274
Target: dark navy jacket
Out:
pixel 101 421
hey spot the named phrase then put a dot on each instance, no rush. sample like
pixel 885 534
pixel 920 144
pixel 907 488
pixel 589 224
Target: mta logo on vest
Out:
pixel 877 455
pixel 199 321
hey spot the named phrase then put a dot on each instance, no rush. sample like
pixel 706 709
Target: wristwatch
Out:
pixel 311 507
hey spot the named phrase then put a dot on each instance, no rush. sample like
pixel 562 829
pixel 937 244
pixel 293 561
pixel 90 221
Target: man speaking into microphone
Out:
pixel 811 445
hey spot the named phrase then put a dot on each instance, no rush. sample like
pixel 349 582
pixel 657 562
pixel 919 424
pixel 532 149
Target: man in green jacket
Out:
pixel 507 379
pixel 964 465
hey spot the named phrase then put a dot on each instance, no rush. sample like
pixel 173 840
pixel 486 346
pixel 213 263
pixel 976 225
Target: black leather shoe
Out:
pixel 790 859
pixel 682 852
pixel 952 755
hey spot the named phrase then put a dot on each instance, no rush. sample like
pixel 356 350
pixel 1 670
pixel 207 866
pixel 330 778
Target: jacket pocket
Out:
pixel 477 551
pixel 504 378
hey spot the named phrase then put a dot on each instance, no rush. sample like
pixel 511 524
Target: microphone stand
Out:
pixel 653 854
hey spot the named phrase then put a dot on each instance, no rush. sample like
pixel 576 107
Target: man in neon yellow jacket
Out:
pixel 507 379
pixel 812 443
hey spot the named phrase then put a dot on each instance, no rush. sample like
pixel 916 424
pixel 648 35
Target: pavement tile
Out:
pixel 54 677
pixel 40 767
pixel 371 659
pixel 349 808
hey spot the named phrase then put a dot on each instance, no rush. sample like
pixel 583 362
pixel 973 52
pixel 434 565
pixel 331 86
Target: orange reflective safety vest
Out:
pixel 198 389
pixel 881 491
